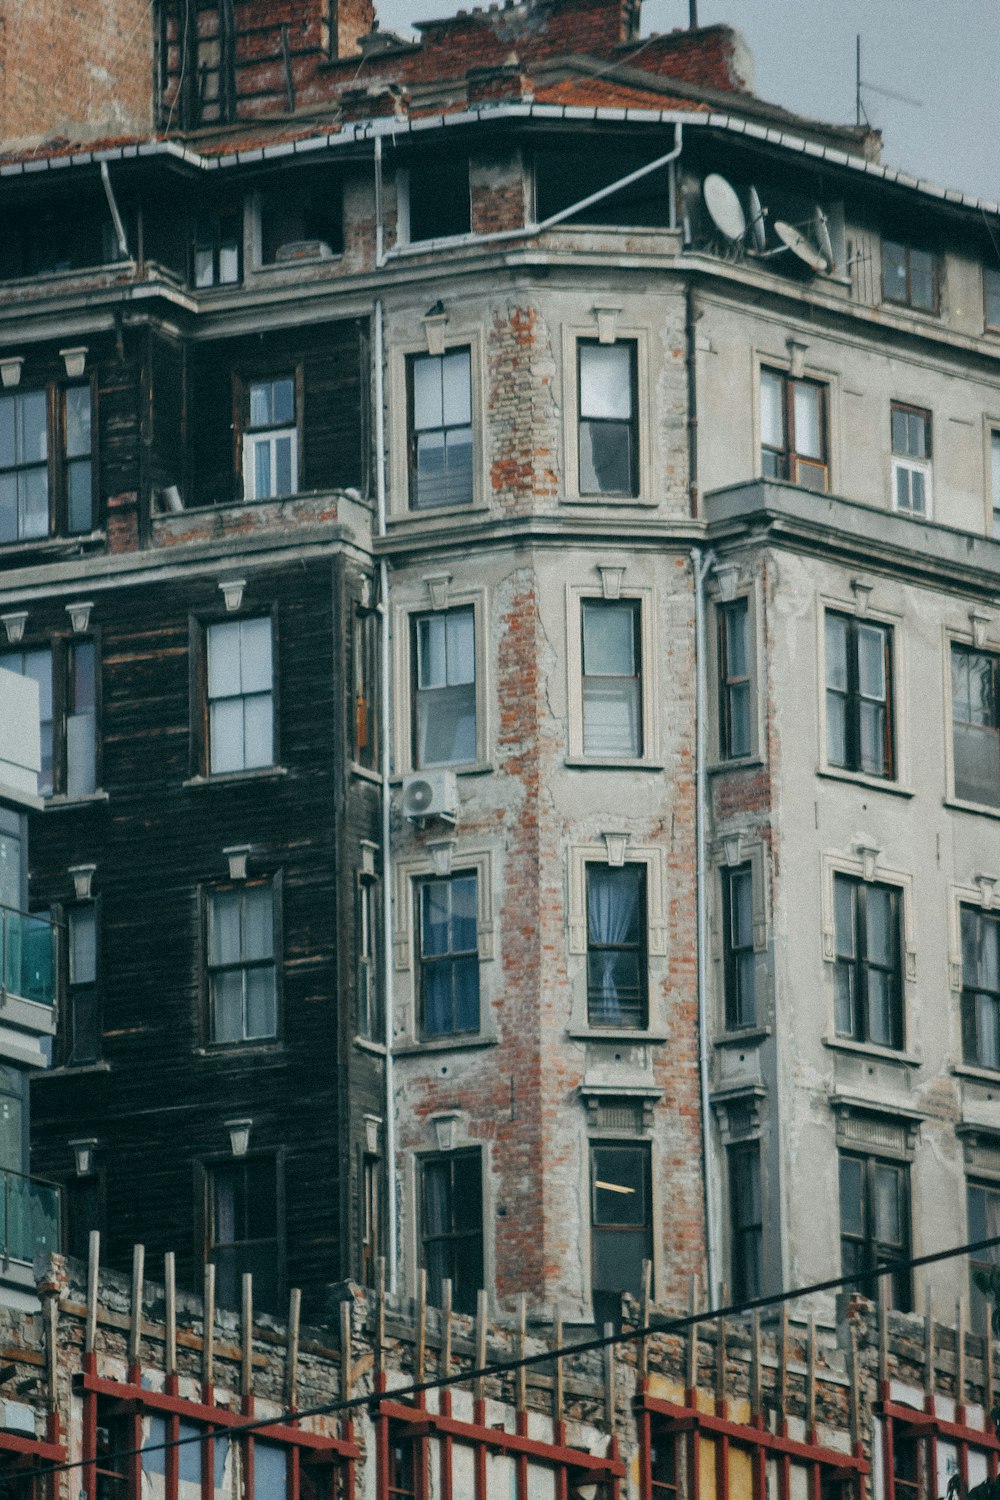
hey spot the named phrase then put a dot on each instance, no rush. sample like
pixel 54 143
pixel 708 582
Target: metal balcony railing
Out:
pixel 30 1218
pixel 27 957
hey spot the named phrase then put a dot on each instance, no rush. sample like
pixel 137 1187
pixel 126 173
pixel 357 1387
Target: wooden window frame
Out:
pixel 452 1235
pixel 738 1155
pixel 198 627
pixel 899 1282
pixel 787 458
pixel 634 490
pixel 853 698
pixel 60 650
pixel 243 378
pixel 861 966
pixel 728 682
pixel 638 870
pixel 274 882
pixel 207 1170
pixel 57 461
pixel 907 300
pixel 420 885
pixel 413 433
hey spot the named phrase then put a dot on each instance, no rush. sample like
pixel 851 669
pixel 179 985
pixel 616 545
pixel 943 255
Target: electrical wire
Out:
pixel 494 1368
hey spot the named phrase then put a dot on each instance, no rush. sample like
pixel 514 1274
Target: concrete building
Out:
pixel 511 549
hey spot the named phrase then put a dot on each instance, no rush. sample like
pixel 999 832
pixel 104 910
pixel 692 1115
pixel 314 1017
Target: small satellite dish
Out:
pixel 799 245
pixel 823 239
pixel 724 208
pixel 758 213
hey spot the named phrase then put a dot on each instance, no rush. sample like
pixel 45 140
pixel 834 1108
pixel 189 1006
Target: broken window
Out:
pixel 444 717
pixel 793 440
pixel 437 192
pixel 244 1229
pixel 869 979
pixel 980 987
pixel 911 459
pixel 621 1224
pixel 612 678
pixel 739 963
pixel 270 439
pixel 240 688
pixel 242 976
pixel 451 1226
pixel 608 421
pixel 71 232
pixel 301 224
pixel 975 725
pixel 616 945
pixel 909 276
pixel 859 695
pixel 565 177
pixel 875 1225
pixel 448 955
pixel 440 429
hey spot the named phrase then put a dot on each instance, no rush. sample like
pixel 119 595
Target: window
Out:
pixel 793 430
pixel 909 276
pixel 240 695
pixel 875 1224
pixel 270 440
pixel 984 1224
pixel 366 677
pixel 449 955
pixel 438 197
pixel 858 695
pixel 371 1018
pixel 911 455
pixel 980 987
pixel 616 945
pixel 371 1218
pixel 991 296
pixel 869 981
pixel 739 963
pixel 67 680
pixel 83 1039
pixel 995 480
pixel 451 1227
pixel 746 1220
pixel 440 399
pixel 608 420
pixel 444 720
pixel 621 1224
pixel 975 723
pixel 243 1230
pixel 735 707
pixel 664 1466
pixel 216 248
pixel 404 1458
pixel 45 489
pixel 612 679
pixel 564 177
pixel 82 1206
pixel 907 1465
pixel 242 979
pixel 302 222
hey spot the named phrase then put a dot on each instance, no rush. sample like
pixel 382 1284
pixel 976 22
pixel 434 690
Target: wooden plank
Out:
pixel 170 1288
pixel 246 1330
pixel 346 1352
pixel 93 1276
pixel 135 1306
pixel 208 1342
pixel 292 1355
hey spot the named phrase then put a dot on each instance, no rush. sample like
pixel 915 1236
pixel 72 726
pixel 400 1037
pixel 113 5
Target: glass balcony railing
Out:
pixel 29 1224
pixel 27 957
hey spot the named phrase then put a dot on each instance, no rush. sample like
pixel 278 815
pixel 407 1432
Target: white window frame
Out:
pixel 576 596
pixel 433 341
pixel 902 464
pixel 572 336
pixel 404 703
pixel 256 439
pixel 407 875
pixel 580 856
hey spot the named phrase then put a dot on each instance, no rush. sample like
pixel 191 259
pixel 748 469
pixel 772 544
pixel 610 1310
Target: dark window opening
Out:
pixel 71 233
pixel 793 434
pixel 82 1203
pixel 976 725
pixel 83 1042
pixel 217 248
pixel 565 177
pixel 448 955
pixel 621 1225
pixel 875 1225
pixel 907 1465
pixel 746 1220
pixel 451 1227
pixel 371 1014
pixel 439 198
pixel 365 664
pixel 984 1224
pixel 404 1454
pixel 859 695
pixel 868 970
pixel 909 276
pixel 608 419
pixel 991 296
pixel 735 700
pixel 616 945
pixel 371 1218
pixel 980 987
pixel 664 1466
pixel 243 1230
pixel 303 224
pixel 739 961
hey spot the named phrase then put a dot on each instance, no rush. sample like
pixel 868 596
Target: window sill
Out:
pixel 365 1044
pixel 40 546
pixel 872 1050
pixel 282 267
pixel 444 1044
pixel 738 763
pixel 614 1034
pixel 267 1046
pixel 751 1037
pixel 414 514
pixel 860 778
pixel 465 768
pixel 595 763
pixel 230 778
pixel 365 774
pixel 61 800
pixel 620 502
pixel 74 1070
pixel 982 808
pixel 976 1073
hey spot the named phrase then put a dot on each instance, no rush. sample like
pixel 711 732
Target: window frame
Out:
pixel 366 727
pixel 407 875
pixel 905 463
pixel 979 1312
pixel 648 482
pixel 459 335
pixel 991 295
pixel 907 300
pixel 854 699
pixel 413 433
pixel 632 423
pixel 597 607
pixel 580 856
pixel 72 987
pixel 788 459
pixel 421 960
pixel 206 1173
pixel 368 904
pixel 638 1147
pixel 964 646
pixel 57 461
pixel 60 648
pixel 648 635
pixel 727 682
pixel 201 747
pixel 248 435
pixel 273 881
pixel 447 687
pixel 734 1018
pixel 466 1152
pixel 738 1154
pixel 860 966
pixel 404 716
pixel 989 919
pixel 868 869
pixel 900 1292
pixel 640 947
pixel 214 244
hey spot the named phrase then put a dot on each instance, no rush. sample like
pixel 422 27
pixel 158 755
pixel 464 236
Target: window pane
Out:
pixel 922 279
pixel 737 654
pixel 446 726
pixel 611 718
pixel 772 416
pixel 284 483
pixel 871 661
pixel 609 639
pixel 836 730
pixel 8 508
pixel 741 893
pixel 227 1006
pixel 258 730
pixel 82 945
pixel 808 420
pixel 900 433
pixel 34 444
pixel 606 381
pixel 893 271
pixel 844 895
pixel 428 397
pixel 81 754
pixel 283 401
pixel 226 735
pixel 456 389
pixel 463 914
pixel 258 922
pixel 224 659
pixel 461 646
pixel 80 495
pixel 77 421
pixel 872 727
pixel 852 1210
pixel 8 429
pixel 605 458
pixel 431 651
pixel 878 925
pixel 836 653
pixel 434 914
pixel 262 1013
pixel 888 1216
pixel 260 404
pixel 33 502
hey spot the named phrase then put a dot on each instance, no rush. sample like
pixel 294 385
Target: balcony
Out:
pixel 29 1225
pixel 27 958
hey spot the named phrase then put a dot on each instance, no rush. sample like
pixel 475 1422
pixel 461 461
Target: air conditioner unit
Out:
pixel 15 1416
pixel 430 794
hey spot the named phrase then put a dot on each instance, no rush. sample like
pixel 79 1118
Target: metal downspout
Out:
pixel 701 563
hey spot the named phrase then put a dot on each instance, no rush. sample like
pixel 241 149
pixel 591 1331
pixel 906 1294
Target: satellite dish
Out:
pixel 758 213
pixel 724 208
pixel 799 245
pixel 823 239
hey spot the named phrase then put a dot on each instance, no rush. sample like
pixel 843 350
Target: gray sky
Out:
pixel 944 53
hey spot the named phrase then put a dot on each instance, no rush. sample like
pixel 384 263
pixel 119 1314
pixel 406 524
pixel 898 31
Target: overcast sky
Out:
pixel 943 53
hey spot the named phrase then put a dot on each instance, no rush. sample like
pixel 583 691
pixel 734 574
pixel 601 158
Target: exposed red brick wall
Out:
pixel 75 70
pixel 712 57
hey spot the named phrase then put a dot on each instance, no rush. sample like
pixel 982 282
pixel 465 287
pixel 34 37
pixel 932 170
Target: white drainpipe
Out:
pixel 700 566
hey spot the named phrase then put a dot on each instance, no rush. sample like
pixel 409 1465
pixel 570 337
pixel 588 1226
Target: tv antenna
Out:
pixel 873 88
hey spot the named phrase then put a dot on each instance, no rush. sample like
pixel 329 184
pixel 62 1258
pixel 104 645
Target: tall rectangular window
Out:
pixel 869 980
pixel 36 663
pixel 909 276
pixel 449 955
pixel 244 1230
pixel 438 199
pixel 608 419
pixel 859 695
pixel 975 722
pixel 240 695
pixel 444 720
pixel 270 440
pixel 980 987
pixel 24 466
pixel 440 429
pixel 242 978
pixel 371 1016
pixel 365 645
pixel 995 482
pixel 746 1220
pixel 793 433
pixel 616 945
pixel 371 1218
pixel 664 1466
pixel 875 1225
pixel 451 1226
pixel 621 1224
pixel 216 248
pixel 612 678
pixel 991 296
pixel 81 719
pixel 78 464
pixel 735 736
pixel 911 459
pixel 739 963
pixel 83 1041
pixel 983 1200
